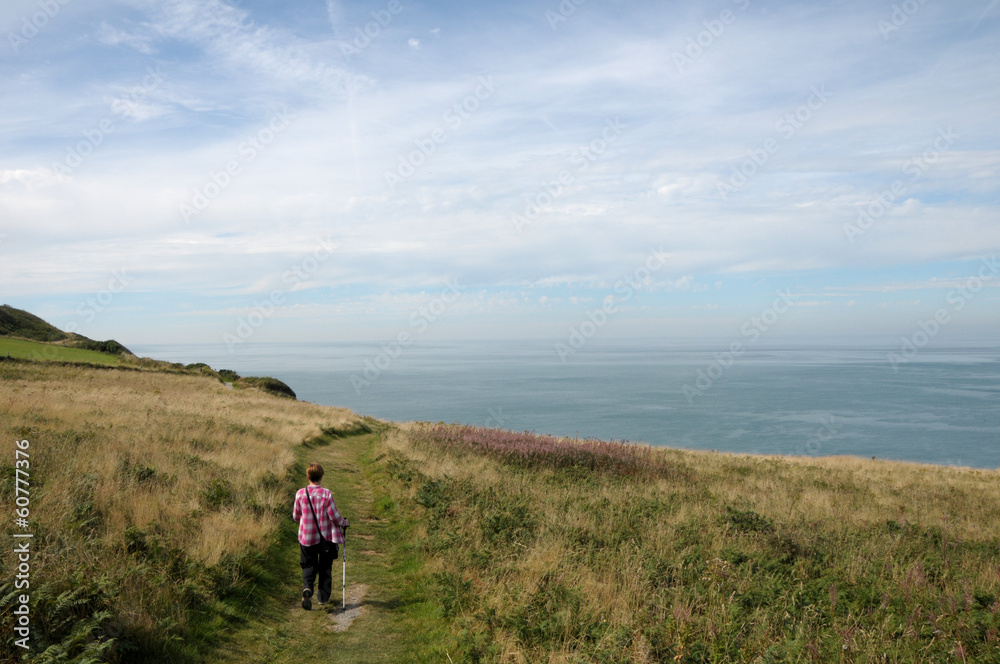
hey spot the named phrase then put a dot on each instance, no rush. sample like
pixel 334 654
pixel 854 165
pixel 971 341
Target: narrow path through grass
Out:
pixel 395 623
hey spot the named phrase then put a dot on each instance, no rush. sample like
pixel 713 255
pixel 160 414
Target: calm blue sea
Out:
pixel 942 406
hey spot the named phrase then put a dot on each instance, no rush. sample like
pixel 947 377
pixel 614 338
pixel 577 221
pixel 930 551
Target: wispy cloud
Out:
pixel 334 13
pixel 113 37
pixel 229 66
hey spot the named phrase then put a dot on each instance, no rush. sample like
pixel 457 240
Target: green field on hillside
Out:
pixel 36 350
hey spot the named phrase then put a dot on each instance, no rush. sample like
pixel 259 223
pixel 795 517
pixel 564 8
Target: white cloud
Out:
pixel 334 12
pixel 229 36
pixel 110 36
pixel 228 68
pixel 33 178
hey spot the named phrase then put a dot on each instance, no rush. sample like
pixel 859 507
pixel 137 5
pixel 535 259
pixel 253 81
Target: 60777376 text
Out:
pixel 22 543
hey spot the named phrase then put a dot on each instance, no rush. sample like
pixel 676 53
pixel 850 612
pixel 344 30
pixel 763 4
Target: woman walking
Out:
pixel 321 529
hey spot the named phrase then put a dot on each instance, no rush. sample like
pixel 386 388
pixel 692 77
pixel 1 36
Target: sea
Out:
pixel 939 406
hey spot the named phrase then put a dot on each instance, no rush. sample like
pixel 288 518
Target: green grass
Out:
pixel 401 621
pixel 726 559
pixel 36 350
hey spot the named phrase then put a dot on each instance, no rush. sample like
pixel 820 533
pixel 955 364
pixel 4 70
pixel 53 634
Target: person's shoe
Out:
pixel 306 602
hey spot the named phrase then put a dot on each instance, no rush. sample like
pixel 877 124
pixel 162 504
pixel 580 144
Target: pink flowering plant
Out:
pixel 531 450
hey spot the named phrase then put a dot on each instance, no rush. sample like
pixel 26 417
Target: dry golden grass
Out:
pixel 137 475
pixel 188 429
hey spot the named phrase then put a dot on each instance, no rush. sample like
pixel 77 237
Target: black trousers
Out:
pixel 313 564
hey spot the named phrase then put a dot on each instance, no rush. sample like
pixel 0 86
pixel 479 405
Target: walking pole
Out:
pixel 343 600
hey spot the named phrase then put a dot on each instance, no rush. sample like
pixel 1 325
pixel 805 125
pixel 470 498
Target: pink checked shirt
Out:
pixel 326 513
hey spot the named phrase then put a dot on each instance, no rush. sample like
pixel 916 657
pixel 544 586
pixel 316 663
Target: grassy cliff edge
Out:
pixel 155 501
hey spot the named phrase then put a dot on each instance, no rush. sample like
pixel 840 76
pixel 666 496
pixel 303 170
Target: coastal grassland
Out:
pixel 159 508
pixel 540 552
pixel 399 620
pixel 156 504
pixel 31 350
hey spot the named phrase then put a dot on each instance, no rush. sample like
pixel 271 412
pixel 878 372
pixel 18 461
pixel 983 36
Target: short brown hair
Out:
pixel 315 472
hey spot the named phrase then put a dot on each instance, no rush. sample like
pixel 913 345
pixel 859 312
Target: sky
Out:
pixel 240 171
